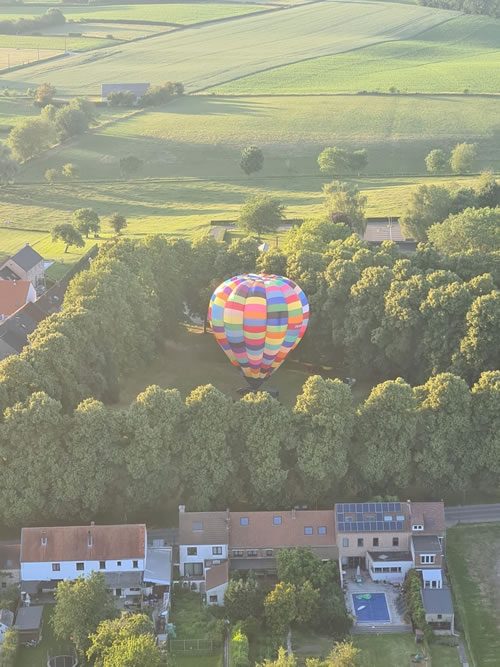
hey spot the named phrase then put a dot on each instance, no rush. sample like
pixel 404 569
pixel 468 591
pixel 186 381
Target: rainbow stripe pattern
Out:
pixel 257 319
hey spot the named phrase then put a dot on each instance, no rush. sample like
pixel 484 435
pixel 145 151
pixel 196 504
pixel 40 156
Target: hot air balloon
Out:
pixel 257 320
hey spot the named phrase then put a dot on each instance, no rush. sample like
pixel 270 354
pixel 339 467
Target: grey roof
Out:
pixel 8 274
pixel 158 565
pixel 437 600
pixel 388 556
pixel 424 543
pixel 253 564
pixel 203 528
pixel 29 618
pixel 123 579
pixel 27 258
pixel 7 617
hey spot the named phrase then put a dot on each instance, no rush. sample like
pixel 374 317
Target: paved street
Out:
pixel 472 514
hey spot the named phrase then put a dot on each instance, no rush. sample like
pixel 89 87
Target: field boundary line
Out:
pixel 340 94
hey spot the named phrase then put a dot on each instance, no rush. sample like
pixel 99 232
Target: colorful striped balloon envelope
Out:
pixel 257 319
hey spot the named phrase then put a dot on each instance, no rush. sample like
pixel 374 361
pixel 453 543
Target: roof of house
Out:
pixel 158 568
pixel 27 258
pixel 284 528
pixel 13 295
pixel 29 618
pixel 422 543
pixel 217 575
pixel 437 600
pixel 430 516
pixel 9 556
pixel 7 617
pixel 253 564
pixel 388 556
pixel 372 517
pixel 71 543
pixel 203 528
pixel 6 273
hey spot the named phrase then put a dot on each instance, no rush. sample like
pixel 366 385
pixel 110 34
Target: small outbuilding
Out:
pixel 29 623
pixel 438 607
pixel 6 622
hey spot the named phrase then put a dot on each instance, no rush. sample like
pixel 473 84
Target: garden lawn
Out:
pixel 461 54
pixel 473 554
pixel 213 54
pixel 159 13
pixel 444 656
pixel 386 650
pixel 37 656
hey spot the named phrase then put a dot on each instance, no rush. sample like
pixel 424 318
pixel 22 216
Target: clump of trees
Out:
pixel 126 641
pixel 9 648
pixel 339 161
pixel 488 7
pixel 252 159
pixel 130 165
pixel 52 17
pixel 460 161
pixel 68 171
pixel 260 214
pixel 154 96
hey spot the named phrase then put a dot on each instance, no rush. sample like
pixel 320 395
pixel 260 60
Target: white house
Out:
pixel 203 543
pixel 67 552
pixel 26 264
pixel 6 622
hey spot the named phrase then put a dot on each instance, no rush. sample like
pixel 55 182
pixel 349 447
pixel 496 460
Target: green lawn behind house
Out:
pixel 474 566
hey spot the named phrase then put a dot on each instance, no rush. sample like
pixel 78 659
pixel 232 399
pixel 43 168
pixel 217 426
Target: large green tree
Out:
pixel 324 416
pixel 252 159
pixel 259 214
pixel 86 220
pixel 68 235
pixel 117 631
pixel 463 157
pixel 345 203
pixel 8 166
pixel 280 608
pixel 427 205
pixel 473 229
pixel 81 605
pixel 30 137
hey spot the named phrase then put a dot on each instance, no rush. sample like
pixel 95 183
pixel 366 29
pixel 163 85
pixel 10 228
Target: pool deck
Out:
pixel 369 586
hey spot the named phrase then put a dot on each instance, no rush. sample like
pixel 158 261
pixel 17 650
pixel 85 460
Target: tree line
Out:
pixel 429 320
pixel 487 7
pixel 52 17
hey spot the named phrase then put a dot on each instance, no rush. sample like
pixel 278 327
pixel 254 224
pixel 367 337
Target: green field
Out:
pixel 463 53
pixel 54 42
pixel 395 651
pixel 162 13
pixel 213 54
pixel 199 136
pixel 474 566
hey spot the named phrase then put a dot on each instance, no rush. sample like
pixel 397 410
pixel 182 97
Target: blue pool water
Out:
pixel 372 609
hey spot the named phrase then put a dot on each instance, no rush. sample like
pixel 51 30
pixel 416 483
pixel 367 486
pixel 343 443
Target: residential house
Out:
pixel 438 607
pixel 389 538
pixel 256 537
pixel 216 581
pixel 50 555
pixel 26 264
pixel 6 622
pixel 203 543
pixel 13 295
pixel 10 572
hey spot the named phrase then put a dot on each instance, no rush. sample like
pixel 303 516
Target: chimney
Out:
pixel 92 523
pixel 294 513
pixel 89 539
pixel 27 244
pixel 43 539
pixel 14 281
pixel 182 509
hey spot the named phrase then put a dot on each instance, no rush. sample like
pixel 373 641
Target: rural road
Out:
pixel 471 514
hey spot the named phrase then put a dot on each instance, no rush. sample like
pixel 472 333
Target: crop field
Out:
pixel 120 31
pixel 208 55
pixel 19 50
pixel 184 14
pixel 461 54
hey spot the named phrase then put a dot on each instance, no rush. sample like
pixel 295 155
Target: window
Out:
pixel 135 564
pixel 395 541
pixel 427 559
pixel 44 541
pixel 440 615
pixel 243 521
pixel 321 530
pixel 360 541
pixel 216 551
pixel 375 541
pixel 213 598
pixel 193 569
pixel 387 517
pixel 135 589
pixel 251 553
pixel 79 566
pixel 400 517
pixel 277 520
pixel 345 542
pixel 269 553
pixel 197 525
pixel 308 530
pixel 102 564
pixel 395 569
pixel 417 526
pixel 237 553
pixel 192 551
pixel 118 563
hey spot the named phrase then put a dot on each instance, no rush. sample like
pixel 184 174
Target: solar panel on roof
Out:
pixel 372 507
pixel 359 516
pixel 373 525
pixel 398 507
pixel 359 507
pixel 352 507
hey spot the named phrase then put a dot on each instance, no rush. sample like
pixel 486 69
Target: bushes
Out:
pixel 8 648
pixel 413 596
pixel 239 647
pixel 52 17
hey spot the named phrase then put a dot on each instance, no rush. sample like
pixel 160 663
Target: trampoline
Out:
pixel 371 607
pixel 62 661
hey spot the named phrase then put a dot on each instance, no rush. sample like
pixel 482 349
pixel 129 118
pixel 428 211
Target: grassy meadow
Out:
pixel 213 54
pixel 474 567
pixel 179 13
pixel 460 54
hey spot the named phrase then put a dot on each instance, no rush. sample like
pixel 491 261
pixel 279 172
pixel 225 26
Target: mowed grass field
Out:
pixel 473 554
pixel 179 13
pixel 461 54
pixel 208 55
pixel 395 651
pixel 200 136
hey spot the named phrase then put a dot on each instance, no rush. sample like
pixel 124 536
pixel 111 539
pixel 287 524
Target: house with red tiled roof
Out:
pixel 14 294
